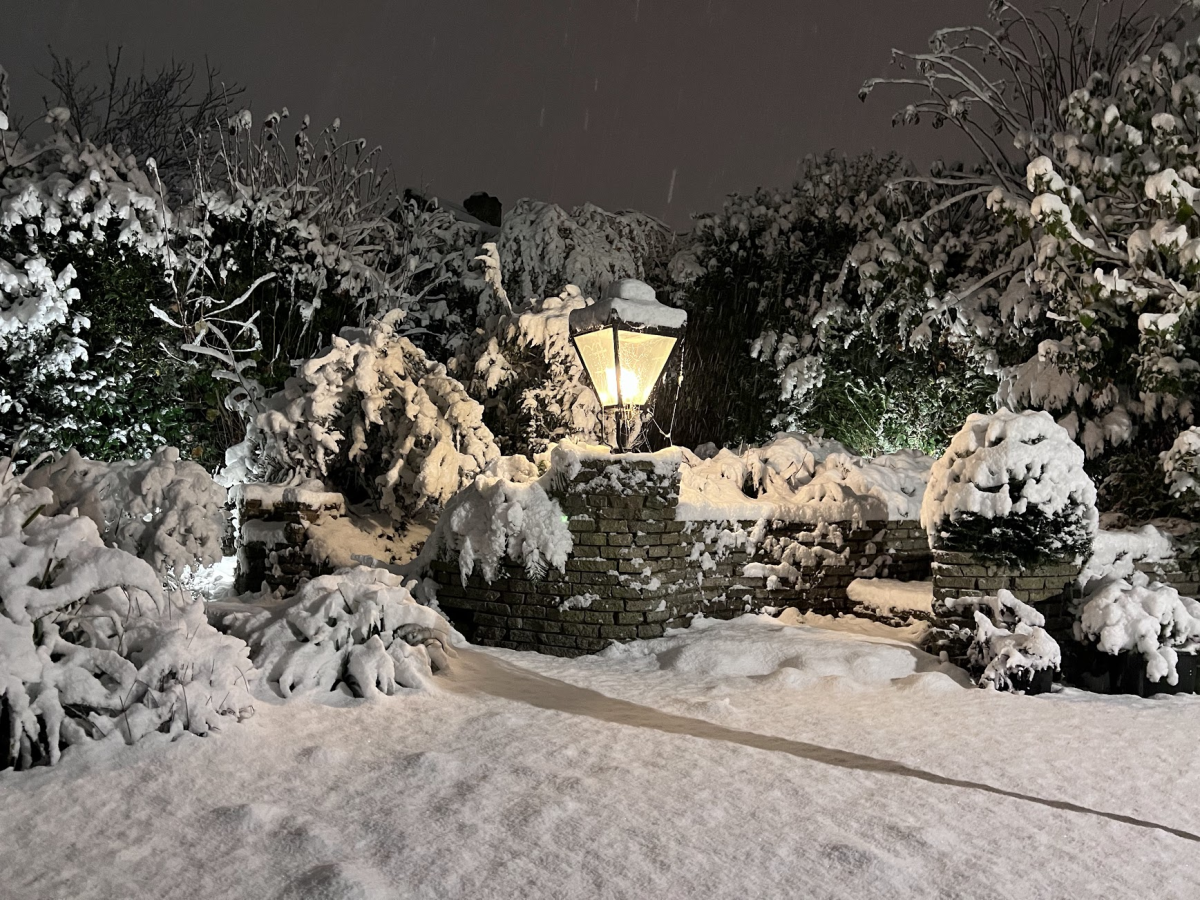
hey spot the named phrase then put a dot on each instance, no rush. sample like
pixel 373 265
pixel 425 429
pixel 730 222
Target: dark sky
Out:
pixel 658 105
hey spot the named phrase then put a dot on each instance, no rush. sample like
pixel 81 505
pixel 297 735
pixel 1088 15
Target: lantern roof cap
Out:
pixel 628 301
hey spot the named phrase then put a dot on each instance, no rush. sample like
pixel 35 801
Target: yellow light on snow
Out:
pixel 642 357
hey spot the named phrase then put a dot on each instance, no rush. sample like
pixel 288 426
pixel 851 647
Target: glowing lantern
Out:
pixel 624 341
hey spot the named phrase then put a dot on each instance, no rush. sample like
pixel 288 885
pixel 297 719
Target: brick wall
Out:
pixel 1051 588
pixel 271 541
pixel 636 570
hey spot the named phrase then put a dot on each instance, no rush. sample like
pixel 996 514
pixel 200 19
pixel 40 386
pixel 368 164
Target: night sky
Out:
pixel 659 105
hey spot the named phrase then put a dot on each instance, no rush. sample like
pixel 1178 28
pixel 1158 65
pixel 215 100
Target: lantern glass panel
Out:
pixel 642 359
pixel 596 348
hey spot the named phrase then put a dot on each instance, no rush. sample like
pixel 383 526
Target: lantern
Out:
pixel 624 340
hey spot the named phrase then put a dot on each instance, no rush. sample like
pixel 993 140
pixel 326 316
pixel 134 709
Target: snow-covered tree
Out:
pixel 1079 290
pixel 374 417
pixel 543 248
pixel 84 242
pixel 521 366
pixel 768 277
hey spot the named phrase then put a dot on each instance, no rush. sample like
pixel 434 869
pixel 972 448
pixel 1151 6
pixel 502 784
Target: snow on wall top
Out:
pixel 630 302
pixel 802 478
pixel 568 457
pixel 1008 463
pixel 311 494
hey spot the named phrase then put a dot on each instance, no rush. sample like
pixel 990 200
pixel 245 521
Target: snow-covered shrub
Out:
pixel 771 273
pixel 803 477
pixel 164 510
pixel 503 513
pixel 544 248
pixel 91 645
pixel 1013 647
pixel 360 628
pixel 1148 617
pixel 897 479
pixel 522 366
pixel 1011 487
pixel 372 417
pixel 84 244
pixel 1181 463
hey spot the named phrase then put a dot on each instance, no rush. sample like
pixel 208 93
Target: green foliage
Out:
pixel 780 337
pixel 879 403
pixel 1032 538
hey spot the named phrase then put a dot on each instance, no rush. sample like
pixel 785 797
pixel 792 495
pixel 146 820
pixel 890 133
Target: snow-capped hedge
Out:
pixel 92 646
pixel 360 628
pixel 1011 486
pixel 370 415
pixel 1143 616
pixel 802 477
pixel 164 510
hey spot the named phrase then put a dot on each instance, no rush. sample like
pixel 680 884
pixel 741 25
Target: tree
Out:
pixel 1081 294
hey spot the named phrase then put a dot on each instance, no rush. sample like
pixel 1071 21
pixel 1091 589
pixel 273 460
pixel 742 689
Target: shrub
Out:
pixel 83 245
pixel 373 418
pixel 92 646
pixel 360 628
pixel 164 510
pixel 1011 487
pixel 1142 616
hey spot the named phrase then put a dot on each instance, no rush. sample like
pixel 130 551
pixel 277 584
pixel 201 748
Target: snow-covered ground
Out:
pixel 757 758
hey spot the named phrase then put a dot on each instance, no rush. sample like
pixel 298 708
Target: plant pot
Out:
pixel 1033 681
pixel 1129 676
pixel 1087 668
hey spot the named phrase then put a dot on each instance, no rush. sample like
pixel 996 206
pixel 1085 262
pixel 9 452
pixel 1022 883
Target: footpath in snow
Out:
pixel 761 757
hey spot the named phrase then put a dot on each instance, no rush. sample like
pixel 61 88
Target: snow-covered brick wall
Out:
pixel 272 538
pixel 635 566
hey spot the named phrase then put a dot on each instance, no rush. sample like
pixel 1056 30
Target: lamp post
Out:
pixel 624 340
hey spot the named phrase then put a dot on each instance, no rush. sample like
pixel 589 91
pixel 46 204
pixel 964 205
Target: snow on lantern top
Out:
pixel 631 303
pixel 625 340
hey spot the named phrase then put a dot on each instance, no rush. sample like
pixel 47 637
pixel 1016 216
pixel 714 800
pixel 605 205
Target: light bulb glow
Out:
pixel 629 384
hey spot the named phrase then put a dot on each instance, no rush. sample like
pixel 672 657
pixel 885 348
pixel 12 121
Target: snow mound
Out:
pixel 1115 554
pixel 802 478
pixel 1144 616
pixel 886 595
pixel 795 656
pixel 361 628
pixel 629 302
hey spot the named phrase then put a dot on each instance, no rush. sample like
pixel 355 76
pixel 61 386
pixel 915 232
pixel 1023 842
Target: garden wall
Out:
pixel 636 569
pixel 272 537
